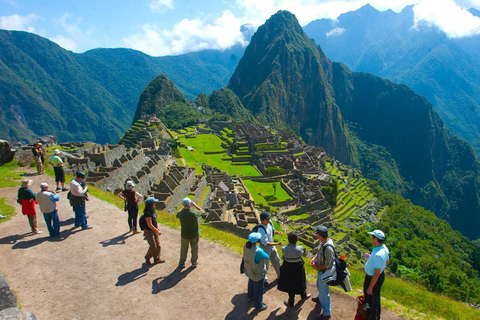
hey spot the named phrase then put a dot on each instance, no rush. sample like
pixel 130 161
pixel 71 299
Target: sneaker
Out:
pixel 194 265
pixel 266 284
pixel 38 232
pixel 158 261
pixel 181 265
pixel 316 300
pixel 307 296
pixel 64 189
pixel 147 262
pixel 264 307
pixel 87 227
pixel 58 189
pixel 136 231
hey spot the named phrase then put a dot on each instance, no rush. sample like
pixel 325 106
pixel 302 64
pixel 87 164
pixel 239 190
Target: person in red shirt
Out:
pixel 28 201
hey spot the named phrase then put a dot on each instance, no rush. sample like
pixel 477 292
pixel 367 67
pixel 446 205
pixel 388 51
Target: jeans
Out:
pixel 53 223
pixel 374 299
pixel 132 218
pixel 323 294
pixel 255 292
pixel 80 216
pixel 184 249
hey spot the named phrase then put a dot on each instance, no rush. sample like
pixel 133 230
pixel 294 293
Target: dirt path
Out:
pixel 98 273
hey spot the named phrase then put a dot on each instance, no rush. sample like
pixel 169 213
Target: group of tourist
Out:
pixel 260 248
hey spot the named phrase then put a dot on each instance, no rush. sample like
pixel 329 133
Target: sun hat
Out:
pixel 322 231
pixel 44 186
pixel 378 234
pixel 27 183
pixel 129 185
pixel 80 174
pixel 254 237
pixel 186 202
pixel 150 200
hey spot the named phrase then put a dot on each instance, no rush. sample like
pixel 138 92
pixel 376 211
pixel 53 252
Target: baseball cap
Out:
pixel 322 231
pixel 80 174
pixel 254 237
pixel 378 234
pixel 186 202
pixel 265 215
pixel 129 185
pixel 150 200
pixel 56 151
pixel 43 185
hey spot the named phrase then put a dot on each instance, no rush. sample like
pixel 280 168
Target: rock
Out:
pixel 7 298
pixel 24 156
pixel 6 154
pixel 48 140
pixel 15 314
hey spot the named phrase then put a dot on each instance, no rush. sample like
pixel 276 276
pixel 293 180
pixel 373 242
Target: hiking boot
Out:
pixel 58 189
pixel 194 265
pixel 87 227
pixel 181 265
pixel 64 189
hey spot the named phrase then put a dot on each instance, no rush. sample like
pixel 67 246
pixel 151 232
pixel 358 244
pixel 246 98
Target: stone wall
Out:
pixel 105 155
pixel 231 228
pixel 180 192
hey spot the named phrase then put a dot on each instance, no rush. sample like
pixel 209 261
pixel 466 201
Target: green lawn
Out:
pixel 212 143
pixel 262 192
pixel 8 176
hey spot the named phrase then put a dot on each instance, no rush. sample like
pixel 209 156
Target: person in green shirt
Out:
pixel 57 163
pixel 189 235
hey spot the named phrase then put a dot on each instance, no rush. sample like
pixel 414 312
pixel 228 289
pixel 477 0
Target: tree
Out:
pixel 274 171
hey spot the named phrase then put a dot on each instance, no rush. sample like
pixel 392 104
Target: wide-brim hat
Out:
pixel 129 185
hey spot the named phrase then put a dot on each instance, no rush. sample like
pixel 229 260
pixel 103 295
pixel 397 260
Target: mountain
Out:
pixel 45 89
pixel 443 69
pixel 281 79
pixel 389 131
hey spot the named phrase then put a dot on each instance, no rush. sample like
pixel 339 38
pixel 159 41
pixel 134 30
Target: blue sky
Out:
pixel 172 27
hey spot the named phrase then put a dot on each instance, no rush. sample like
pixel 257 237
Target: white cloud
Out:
pixel 65 42
pixel 161 5
pixel 189 35
pixel 449 16
pixel 335 32
pixel 18 22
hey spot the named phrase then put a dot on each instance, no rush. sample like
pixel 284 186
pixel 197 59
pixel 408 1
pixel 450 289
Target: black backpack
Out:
pixel 340 270
pixel 142 223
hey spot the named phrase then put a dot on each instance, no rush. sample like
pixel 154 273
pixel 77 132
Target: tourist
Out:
pixel 131 198
pixel 323 262
pixel 267 232
pixel 37 156
pixel 48 205
pixel 255 268
pixel 152 232
pixel 28 201
pixel 292 272
pixel 78 196
pixel 189 233
pixel 57 164
pixel 374 274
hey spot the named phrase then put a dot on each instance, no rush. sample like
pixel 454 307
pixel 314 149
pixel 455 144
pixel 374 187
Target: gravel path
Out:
pixel 98 273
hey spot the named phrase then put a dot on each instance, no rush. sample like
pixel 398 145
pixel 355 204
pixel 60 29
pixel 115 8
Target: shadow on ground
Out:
pixel 131 276
pixel 168 282
pixel 116 240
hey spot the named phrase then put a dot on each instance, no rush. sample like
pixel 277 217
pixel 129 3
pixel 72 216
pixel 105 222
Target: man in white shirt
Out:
pixel 78 196
pixel 374 276
pixel 267 232
pixel 47 201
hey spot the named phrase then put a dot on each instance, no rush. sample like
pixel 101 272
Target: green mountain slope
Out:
pixel 45 89
pixel 393 134
pixel 281 79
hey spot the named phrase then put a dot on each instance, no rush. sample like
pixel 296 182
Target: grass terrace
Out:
pixel 262 192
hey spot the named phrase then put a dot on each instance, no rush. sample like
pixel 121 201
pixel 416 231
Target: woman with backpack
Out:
pixel 131 198
pixel 255 269
pixel 152 232
pixel 292 272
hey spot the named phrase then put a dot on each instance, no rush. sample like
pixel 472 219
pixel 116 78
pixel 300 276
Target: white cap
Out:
pixel 56 151
pixel 43 185
pixel 378 234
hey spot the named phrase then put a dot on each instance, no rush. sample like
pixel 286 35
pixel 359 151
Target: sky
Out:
pixel 173 27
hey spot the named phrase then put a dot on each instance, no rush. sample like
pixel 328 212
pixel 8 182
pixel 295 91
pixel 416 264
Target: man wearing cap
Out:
pixel 78 196
pixel 189 234
pixel 48 205
pixel 131 198
pixel 255 268
pixel 28 201
pixel 57 164
pixel 267 232
pixel 374 275
pixel 323 262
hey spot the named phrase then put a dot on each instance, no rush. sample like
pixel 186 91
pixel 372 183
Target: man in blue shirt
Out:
pixel 374 275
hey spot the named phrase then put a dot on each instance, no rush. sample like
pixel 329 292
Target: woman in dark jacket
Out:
pixel 292 272
pixel 131 198
pixel 152 232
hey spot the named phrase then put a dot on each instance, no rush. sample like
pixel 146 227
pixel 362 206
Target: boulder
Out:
pixel 6 154
pixel 24 156
pixel 48 140
pixel 15 314
pixel 7 297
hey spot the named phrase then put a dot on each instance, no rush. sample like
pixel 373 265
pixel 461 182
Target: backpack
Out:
pixel 142 223
pixel 260 225
pixel 340 268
